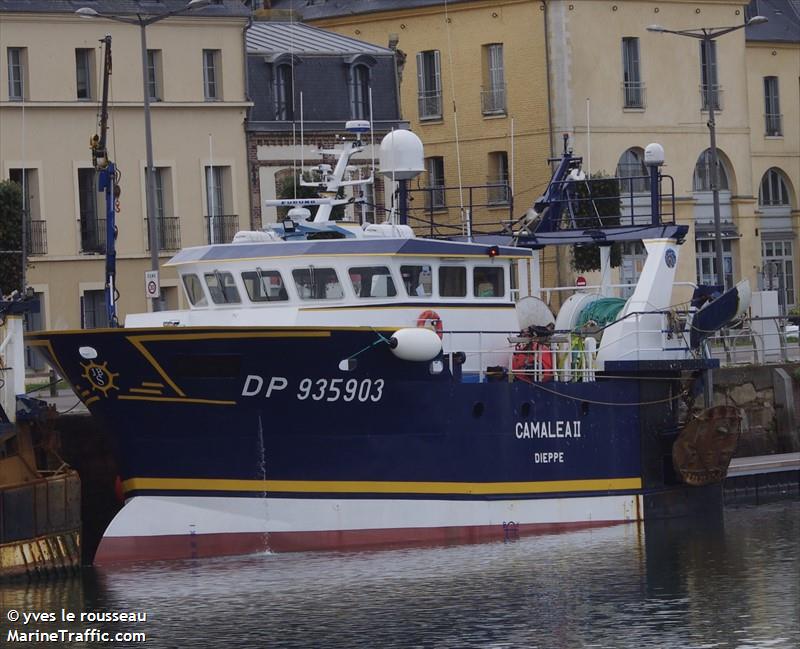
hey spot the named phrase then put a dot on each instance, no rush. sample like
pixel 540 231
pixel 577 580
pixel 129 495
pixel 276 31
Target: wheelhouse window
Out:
pixel 222 288
pixel 317 283
pixel 488 281
pixel 194 290
pixel 418 280
pixel 372 281
pixel 452 281
pixel 264 286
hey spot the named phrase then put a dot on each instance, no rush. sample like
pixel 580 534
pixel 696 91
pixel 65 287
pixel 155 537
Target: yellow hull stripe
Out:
pixel 146 391
pixel 131 397
pixel 331 486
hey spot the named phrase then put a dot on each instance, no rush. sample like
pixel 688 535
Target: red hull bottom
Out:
pixel 125 549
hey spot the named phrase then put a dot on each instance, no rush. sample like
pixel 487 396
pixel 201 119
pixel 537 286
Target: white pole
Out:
pixel 511 172
pixel 211 191
pixel 302 139
pixel 588 139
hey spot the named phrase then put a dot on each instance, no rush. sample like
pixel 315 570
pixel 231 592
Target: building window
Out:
pixel 16 73
pixel 772 109
pixel 221 226
pixel 633 258
pixel 632 86
pixel 36 234
pixel 84 71
pixel 498 190
pixel 493 93
pixel 283 92
pixel 707 262
pixel 751 10
pixel 93 307
pixel 709 89
pixel 211 75
pixel 773 190
pixel 359 92
pixel 429 85
pixel 167 224
pixel 702 173
pixel 632 174
pixel 779 269
pixel 154 75
pixel 435 196
pixel 93 229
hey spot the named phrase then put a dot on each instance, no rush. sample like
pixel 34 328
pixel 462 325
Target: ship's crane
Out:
pixel 108 184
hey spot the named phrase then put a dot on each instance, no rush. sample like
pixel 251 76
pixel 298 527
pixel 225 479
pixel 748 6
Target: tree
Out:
pixel 598 206
pixel 10 236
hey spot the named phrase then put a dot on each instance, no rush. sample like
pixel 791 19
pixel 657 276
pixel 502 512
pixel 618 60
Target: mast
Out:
pixel 107 184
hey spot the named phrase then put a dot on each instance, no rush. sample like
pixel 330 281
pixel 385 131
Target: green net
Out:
pixel 602 311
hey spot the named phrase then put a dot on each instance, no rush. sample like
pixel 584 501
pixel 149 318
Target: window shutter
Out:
pixel 421 71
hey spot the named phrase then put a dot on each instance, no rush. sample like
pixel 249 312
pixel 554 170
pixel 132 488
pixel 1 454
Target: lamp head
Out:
pixel 656 28
pixel 87 12
pixel 758 20
pixel 196 4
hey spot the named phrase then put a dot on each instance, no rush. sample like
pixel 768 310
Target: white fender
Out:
pixel 415 344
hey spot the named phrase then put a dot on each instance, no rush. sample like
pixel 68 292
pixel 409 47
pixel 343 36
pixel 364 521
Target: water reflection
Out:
pixel 731 583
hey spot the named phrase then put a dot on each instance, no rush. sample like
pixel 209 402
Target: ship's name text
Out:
pixel 552 429
pixel 362 390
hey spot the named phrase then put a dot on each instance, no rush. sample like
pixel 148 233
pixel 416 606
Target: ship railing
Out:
pixel 568 356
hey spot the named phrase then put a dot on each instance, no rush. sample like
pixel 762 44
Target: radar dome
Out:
pixel 401 155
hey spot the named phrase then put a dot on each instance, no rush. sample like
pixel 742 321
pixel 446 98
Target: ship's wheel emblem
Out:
pixel 100 377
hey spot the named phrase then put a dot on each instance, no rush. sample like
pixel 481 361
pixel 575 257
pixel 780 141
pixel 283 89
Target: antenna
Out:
pixel 302 152
pixel 588 138
pixel 211 191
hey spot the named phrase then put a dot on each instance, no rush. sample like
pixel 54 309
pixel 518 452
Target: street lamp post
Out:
pixel 150 194
pixel 707 36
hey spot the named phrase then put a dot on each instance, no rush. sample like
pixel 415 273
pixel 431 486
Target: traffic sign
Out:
pixel 580 282
pixel 152 287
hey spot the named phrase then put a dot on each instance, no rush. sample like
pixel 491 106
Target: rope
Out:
pixel 611 403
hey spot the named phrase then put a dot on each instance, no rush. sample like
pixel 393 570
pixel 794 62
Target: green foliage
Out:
pixel 599 206
pixel 10 236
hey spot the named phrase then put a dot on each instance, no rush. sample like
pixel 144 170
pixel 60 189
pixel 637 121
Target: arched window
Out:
pixel 359 91
pixel 282 92
pixel 631 167
pixel 773 190
pixel 702 173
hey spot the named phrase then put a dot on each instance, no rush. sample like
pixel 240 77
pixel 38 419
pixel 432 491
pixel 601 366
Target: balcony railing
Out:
pixel 632 94
pixel 430 104
pixel 37 238
pixel 711 94
pixel 498 192
pixel 168 230
pixel 93 235
pixel 221 228
pixel 772 123
pixel 493 100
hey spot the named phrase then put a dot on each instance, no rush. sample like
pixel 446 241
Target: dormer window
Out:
pixel 359 91
pixel 283 91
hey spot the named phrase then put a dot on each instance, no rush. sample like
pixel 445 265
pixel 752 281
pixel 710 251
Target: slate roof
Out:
pixel 218 8
pixel 783 25
pixel 316 9
pixel 280 37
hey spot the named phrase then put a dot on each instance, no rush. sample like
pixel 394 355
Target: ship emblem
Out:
pixel 100 377
pixel 670 258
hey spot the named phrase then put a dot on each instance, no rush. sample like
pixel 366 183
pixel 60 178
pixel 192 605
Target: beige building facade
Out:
pixel 473 86
pixel 615 87
pixel 49 103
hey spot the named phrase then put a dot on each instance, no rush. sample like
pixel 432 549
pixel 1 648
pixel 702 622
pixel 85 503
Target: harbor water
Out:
pixel 731 582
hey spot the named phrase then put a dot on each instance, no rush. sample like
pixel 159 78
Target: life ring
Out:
pixel 431 320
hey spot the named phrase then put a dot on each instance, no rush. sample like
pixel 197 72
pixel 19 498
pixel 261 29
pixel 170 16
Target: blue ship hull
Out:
pixel 266 415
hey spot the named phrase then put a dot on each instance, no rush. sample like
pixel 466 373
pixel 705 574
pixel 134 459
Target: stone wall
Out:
pixel 769 396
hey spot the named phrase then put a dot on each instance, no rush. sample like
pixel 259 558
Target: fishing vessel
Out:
pixel 339 384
